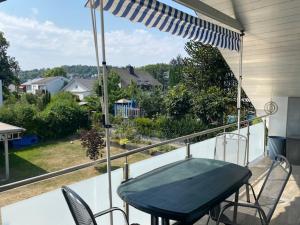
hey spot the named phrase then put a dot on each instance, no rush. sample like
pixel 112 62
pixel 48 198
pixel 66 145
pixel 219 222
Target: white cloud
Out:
pixel 38 44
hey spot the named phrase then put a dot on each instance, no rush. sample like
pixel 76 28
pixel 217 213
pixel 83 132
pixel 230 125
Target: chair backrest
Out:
pixel 231 147
pixel 81 212
pixel 273 185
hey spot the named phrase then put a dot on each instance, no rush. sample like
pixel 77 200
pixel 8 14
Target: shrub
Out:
pixel 167 127
pixel 22 115
pixel 126 130
pixel 62 118
pixel 144 126
pixel 92 141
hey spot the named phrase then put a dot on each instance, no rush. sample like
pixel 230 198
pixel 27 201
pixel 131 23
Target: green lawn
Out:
pixel 52 156
pixel 43 158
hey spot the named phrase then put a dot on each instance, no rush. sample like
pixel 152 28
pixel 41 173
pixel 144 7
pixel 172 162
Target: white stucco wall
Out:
pixel 278 121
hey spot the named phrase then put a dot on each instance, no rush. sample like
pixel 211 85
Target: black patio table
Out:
pixel 185 190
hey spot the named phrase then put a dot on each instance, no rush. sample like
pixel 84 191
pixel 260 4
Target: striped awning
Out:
pixel 153 13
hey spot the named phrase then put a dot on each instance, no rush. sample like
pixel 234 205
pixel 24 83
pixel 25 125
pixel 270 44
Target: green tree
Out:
pixel 9 67
pixel 178 101
pixel 211 83
pixel 114 91
pixel 210 105
pixel 54 72
pixel 152 102
pixel 132 91
pixel 43 100
pixel 158 71
pixel 205 67
pixel 176 71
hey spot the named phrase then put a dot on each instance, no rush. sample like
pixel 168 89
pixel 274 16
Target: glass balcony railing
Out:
pixel 50 208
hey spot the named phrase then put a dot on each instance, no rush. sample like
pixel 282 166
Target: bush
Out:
pixel 62 118
pixel 144 126
pixel 93 142
pixel 126 130
pixel 22 115
pixel 167 127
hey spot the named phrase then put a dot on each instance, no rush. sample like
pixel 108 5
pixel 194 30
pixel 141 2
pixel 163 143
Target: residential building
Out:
pixel 80 87
pixel 142 78
pixel 50 84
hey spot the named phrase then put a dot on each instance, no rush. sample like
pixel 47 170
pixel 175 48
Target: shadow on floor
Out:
pixel 287 211
pixel 19 169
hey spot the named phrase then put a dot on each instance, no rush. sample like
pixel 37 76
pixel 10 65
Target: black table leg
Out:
pixel 154 220
pixel 236 200
pixel 165 221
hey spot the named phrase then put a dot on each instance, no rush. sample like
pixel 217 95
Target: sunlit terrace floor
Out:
pixel 288 208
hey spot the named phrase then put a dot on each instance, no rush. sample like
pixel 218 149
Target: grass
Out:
pixel 48 157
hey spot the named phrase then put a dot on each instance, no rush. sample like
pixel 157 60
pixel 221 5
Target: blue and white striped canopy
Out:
pixel 153 13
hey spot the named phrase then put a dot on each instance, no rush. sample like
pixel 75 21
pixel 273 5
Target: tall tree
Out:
pixel 158 71
pixel 205 67
pixel 176 71
pixel 178 101
pixel 9 67
pixel 54 72
pixel 211 83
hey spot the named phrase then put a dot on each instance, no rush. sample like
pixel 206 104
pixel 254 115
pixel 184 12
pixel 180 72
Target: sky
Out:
pixel 48 33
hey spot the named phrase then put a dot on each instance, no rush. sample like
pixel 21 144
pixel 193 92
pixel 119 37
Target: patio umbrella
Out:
pixel 154 14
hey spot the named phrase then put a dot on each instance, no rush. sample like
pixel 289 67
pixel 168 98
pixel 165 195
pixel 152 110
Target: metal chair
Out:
pixel 81 212
pixel 269 194
pixel 232 147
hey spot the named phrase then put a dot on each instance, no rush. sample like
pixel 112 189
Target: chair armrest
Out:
pixel 111 210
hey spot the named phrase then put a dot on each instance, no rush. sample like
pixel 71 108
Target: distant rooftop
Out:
pixel 140 77
pixel 29 82
pixel 87 83
pixel 41 80
pixel 47 80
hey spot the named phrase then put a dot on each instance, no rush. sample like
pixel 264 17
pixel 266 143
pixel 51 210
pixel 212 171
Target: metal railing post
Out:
pixel 125 178
pixel 247 158
pixel 265 136
pixel 188 150
pixel 248 142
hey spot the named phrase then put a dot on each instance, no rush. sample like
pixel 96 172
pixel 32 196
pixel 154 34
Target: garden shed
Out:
pixel 7 133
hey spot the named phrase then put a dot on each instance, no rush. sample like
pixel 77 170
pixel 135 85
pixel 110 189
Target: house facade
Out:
pixel 80 87
pixel 50 84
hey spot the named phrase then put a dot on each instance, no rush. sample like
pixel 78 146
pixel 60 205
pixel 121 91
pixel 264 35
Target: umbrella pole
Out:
pixel 106 113
pixel 105 93
pixel 239 94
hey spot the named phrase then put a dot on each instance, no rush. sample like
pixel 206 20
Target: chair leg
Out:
pixel 247 193
pixel 154 220
pixel 208 219
pixel 165 221
pixel 236 200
